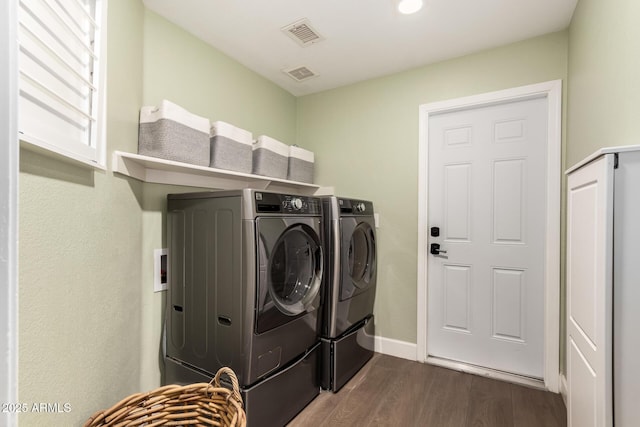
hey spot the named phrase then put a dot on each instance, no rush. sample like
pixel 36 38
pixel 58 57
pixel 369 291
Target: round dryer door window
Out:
pixel 295 270
pixel 362 255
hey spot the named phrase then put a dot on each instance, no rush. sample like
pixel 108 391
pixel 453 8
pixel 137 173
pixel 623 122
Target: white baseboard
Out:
pixel 396 348
pixel 563 388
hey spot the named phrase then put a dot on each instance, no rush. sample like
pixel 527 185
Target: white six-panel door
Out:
pixel 589 293
pixel 487 195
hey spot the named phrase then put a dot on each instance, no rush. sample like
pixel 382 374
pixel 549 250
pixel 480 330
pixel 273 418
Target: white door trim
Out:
pixel 8 211
pixel 552 90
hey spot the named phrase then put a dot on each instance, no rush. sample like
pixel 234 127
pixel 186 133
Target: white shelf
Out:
pixel 160 171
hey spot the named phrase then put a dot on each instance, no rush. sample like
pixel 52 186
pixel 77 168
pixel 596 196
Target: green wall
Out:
pixel 604 68
pixel 80 237
pixel 189 72
pixel 89 322
pixel 365 137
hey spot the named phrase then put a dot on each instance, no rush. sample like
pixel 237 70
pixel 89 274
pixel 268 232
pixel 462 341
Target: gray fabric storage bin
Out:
pixel 301 164
pixel 231 148
pixel 170 132
pixel 270 157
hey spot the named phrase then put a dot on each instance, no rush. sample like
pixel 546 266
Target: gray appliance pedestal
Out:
pixel 295 386
pixel 344 356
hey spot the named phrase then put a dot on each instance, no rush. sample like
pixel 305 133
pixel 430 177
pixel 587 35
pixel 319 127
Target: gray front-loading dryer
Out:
pixel 245 274
pixel 350 289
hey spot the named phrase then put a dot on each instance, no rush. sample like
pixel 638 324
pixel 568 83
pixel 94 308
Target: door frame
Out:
pixel 552 91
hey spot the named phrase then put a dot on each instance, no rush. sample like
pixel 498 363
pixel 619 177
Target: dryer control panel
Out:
pixel 355 207
pixel 286 203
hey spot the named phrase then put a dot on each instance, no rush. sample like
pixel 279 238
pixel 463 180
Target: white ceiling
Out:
pixel 363 39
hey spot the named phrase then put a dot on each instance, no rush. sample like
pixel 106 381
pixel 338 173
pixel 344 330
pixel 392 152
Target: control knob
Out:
pixel 296 203
pixel 360 207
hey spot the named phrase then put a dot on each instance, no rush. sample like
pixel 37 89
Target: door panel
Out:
pixel 457 203
pixel 509 195
pixel 584 389
pixel 508 304
pixel 584 202
pixel 457 283
pixel 487 192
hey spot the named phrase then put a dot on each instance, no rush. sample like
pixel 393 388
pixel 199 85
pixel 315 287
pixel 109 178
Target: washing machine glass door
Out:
pixel 359 260
pixel 291 260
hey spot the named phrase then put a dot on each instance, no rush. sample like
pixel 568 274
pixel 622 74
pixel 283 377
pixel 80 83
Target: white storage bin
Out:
pixel 270 157
pixel 301 163
pixel 170 132
pixel 231 147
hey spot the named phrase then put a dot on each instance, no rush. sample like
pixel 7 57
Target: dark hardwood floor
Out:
pixel 395 392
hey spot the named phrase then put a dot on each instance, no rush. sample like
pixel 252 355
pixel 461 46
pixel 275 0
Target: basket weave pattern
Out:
pixel 201 404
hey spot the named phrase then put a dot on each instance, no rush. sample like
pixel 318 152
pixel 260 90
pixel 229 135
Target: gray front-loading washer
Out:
pixel 245 272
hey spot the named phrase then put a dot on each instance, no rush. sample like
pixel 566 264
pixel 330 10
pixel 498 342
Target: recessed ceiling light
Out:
pixel 409 6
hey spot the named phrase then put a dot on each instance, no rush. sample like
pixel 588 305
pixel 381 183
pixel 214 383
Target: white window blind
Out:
pixel 61 82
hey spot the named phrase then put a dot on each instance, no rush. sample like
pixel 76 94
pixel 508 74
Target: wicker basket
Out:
pixel 201 404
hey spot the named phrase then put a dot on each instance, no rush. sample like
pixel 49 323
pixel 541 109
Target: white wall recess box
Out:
pixel 159 270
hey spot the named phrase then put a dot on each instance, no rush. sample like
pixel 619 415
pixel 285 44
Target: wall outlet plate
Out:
pixel 160 276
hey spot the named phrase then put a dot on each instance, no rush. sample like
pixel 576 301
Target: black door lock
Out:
pixel 435 231
pixel 435 249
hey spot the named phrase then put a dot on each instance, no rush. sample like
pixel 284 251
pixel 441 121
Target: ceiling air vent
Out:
pixel 302 32
pixel 300 73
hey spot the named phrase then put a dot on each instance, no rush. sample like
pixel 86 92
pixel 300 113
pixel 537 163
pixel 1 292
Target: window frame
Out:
pixel 93 153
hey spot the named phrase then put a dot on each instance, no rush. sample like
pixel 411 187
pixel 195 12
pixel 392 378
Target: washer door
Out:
pixel 359 260
pixel 290 270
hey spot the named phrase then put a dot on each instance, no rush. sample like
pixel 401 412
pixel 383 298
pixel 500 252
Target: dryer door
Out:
pixel 359 263
pixel 290 269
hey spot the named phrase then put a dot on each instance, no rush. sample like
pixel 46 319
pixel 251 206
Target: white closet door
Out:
pixel 589 285
pixel 626 291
